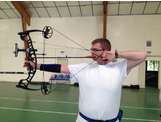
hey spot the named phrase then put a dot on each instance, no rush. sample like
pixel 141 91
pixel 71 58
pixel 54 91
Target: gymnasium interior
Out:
pixel 60 32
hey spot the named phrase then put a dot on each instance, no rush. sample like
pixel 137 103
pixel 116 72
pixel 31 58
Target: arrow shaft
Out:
pixel 50 57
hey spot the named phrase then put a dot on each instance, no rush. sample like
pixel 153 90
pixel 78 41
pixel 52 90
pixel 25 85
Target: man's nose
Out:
pixel 104 54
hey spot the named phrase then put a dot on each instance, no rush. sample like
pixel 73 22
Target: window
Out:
pixel 152 65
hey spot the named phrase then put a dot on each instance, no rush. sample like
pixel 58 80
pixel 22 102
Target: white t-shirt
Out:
pixel 99 88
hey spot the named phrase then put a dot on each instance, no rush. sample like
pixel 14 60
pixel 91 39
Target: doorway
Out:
pixel 151 73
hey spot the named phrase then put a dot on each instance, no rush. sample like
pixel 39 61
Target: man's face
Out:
pixel 97 53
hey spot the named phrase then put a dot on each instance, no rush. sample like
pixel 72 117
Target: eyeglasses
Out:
pixel 96 50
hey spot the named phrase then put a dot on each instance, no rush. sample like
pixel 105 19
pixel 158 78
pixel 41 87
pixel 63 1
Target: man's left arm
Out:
pixel 134 58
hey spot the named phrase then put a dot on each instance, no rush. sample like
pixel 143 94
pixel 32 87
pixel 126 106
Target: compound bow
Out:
pixel 47 32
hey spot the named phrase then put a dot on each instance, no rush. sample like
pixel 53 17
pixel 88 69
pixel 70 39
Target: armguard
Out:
pixel 51 67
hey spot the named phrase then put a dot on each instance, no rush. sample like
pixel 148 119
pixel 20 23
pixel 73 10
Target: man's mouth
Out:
pixel 105 60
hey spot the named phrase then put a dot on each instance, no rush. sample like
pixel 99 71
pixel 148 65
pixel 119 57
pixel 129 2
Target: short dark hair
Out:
pixel 105 43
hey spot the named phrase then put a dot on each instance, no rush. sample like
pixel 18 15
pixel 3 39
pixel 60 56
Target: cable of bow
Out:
pixel 44 86
pixel 67 37
pixel 81 46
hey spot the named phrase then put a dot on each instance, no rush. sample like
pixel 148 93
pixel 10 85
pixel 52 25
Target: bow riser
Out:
pixel 30 56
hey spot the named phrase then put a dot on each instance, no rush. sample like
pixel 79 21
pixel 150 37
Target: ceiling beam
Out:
pixel 25 15
pixel 105 18
pixel 25 19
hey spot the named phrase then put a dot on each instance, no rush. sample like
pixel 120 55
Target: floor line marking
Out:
pixel 135 107
pixel 38 100
pixel 63 113
pixel 147 120
pixel 36 111
pixel 75 103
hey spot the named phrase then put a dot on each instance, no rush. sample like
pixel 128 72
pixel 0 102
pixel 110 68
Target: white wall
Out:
pixel 125 33
pixel 8 37
pixel 131 33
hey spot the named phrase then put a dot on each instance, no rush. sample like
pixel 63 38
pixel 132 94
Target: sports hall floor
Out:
pixel 18 105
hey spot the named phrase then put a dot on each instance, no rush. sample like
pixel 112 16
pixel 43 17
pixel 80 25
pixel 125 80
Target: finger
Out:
pixel 109 53
pixel 26 63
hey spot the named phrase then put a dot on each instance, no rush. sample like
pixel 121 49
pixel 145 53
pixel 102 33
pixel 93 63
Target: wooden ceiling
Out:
pixel 49 9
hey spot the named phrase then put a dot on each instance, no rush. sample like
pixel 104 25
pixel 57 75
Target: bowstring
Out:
pixel 67 37
pixel 92 62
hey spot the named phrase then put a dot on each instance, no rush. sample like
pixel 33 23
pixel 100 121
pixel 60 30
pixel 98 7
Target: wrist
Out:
pixel 38 66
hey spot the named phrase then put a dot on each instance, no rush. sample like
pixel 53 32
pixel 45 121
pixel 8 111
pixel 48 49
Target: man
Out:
pixel 100 82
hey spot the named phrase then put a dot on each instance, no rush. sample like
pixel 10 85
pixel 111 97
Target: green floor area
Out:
pixel 17 105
